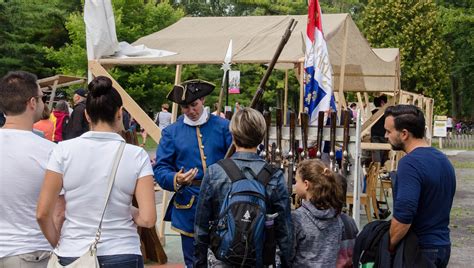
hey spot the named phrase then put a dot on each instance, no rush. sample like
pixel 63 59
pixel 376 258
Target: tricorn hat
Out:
pixel 189 91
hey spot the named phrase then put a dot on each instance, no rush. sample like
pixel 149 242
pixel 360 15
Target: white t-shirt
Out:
pixel 23 159
pixel 86 163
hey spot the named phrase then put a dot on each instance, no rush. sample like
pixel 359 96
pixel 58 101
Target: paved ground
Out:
pixel 462 217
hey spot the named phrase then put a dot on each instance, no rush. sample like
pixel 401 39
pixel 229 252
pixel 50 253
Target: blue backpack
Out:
pixel 243 234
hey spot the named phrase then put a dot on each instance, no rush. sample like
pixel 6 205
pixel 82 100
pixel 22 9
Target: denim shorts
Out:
pixel 109 261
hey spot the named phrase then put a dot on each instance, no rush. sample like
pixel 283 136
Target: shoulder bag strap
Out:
pixel 115 165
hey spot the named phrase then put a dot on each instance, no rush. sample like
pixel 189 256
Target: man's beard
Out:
pixel 398 146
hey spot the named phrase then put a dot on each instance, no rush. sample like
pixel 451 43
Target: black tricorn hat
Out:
pixel 189 91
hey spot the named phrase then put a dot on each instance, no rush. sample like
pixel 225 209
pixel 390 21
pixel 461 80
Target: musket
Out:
pixel 346 164
pixel 319 137
pixel 304 134
pixel 266 145
pixel 261 87
pixel 291 152
pixel 332 152
pixel 225 78
pixel 272 157
pixel 279 125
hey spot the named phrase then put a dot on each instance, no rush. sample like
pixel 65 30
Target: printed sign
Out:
pixel 234 82
pixel 439 128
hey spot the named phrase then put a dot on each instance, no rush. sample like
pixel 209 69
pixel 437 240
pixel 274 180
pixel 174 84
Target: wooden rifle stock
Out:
pixel 261 87
pixel 345 153
pixel 332 152
pixel 304 134
pixel 266 145
pixel 319 138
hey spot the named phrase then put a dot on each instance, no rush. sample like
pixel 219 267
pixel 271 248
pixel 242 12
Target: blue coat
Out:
pixel 189 147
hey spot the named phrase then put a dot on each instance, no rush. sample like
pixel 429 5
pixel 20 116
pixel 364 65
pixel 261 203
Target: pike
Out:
pixel 257 98
pixel 291 153
pixel 279 125
pixel 319 137
pixel 332 152
pixel 225 83
pixel 266 145
pixel 346 164
pixel 304 134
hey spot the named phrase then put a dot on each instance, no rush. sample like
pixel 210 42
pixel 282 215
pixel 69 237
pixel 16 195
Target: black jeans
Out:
pixel 111 261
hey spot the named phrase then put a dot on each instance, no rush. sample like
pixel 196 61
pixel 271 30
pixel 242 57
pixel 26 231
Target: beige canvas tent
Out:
pixel 203 40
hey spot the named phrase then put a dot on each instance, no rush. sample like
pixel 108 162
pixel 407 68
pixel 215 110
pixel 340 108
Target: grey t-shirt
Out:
pixel 164 119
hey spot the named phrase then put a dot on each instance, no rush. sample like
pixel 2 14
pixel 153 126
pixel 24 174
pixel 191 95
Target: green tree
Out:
pixel 133 19
pixel 27 27
pixel 413 26
pixel 458 32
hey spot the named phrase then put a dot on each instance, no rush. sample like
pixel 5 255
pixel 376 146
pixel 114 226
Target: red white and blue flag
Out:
pixel 318 72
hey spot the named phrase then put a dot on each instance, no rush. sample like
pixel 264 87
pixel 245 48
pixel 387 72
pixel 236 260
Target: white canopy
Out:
pixel 204 40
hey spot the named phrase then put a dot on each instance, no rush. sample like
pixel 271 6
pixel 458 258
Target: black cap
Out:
pixel 81 92
pixel 189 91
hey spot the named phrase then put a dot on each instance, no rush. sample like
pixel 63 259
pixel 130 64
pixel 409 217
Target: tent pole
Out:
pixel 177 80
pixel 301 69
pixel 53 94
pixel 285 103
pixel 342 99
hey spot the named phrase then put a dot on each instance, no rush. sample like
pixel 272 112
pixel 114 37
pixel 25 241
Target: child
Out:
pixel 317 224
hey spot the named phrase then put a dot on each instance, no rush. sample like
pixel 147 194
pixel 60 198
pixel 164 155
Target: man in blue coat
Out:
pixel 187 147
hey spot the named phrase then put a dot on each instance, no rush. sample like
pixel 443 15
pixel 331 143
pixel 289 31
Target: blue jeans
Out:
pixel 111 261
pixel 438 256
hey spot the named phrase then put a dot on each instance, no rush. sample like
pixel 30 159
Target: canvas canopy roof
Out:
pixel 204 40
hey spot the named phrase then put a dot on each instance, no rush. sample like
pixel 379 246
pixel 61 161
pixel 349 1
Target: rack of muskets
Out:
pixel 286 146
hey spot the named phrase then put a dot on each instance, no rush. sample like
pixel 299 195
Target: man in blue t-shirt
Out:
pixel 424 188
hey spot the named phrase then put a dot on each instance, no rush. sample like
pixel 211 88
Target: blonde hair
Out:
pixel 326 191
pixel 247 127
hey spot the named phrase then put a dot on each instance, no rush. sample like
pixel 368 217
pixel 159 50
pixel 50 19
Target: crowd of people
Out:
pixel 228 211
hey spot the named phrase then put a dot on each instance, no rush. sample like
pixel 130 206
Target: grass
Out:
pixel 150 144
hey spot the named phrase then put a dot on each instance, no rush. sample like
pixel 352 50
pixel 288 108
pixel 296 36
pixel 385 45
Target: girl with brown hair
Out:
pixel 317 224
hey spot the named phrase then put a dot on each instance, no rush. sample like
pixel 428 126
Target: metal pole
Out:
pixel 357 172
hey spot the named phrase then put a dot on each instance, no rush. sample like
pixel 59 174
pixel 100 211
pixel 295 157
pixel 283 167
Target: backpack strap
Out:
pixel 231 169
pixel 266 173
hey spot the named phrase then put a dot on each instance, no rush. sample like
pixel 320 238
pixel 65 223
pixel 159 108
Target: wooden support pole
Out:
pixel 177 80
pixel 342 100
pixel 285 102
pixel 53 94
pixel 132 107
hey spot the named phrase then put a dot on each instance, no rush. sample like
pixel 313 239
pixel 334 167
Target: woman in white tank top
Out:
pixel 81 168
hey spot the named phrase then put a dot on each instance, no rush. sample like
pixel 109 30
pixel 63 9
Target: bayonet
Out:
pixel 304 134
pixel 332 152
pixel 279 125
pixel 319 137
pixel 225 77
pixel 346 164
pixel 291 152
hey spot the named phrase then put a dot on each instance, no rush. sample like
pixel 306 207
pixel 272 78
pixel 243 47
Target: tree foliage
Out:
pixel 458 31
pixel 26 28
pixel 413 27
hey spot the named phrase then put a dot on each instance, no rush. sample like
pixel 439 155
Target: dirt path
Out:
pixel 462 213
